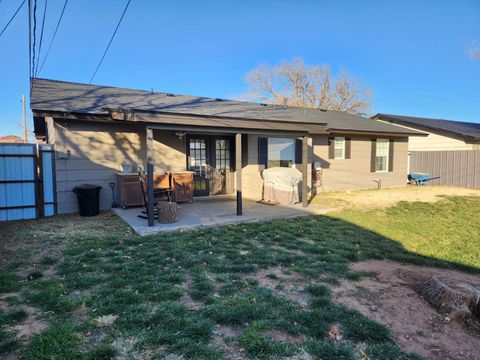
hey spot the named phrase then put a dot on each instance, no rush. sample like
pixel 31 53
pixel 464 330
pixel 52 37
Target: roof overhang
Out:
pixel 425 127
pixel 167 120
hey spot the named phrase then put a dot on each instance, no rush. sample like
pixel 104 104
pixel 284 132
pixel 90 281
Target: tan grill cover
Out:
pixel 280 185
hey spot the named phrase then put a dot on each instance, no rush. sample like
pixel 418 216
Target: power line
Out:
pixel 110 42
pixel 34 35
pixel 41 36
pixel 13 17
pixel 30 42
pixel 54 34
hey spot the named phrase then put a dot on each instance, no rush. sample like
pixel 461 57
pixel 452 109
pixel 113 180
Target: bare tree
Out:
pixel 474 54
pixel 297 84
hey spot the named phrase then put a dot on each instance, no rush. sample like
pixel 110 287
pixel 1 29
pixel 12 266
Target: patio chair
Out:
pixel 159 193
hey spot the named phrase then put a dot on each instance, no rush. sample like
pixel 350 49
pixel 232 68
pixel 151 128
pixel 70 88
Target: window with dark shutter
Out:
pixel 390 155
pixel 373 155
pixel 244 150
pixel 298 151
pixel 348 148
pixel 331 148
pixel 263 151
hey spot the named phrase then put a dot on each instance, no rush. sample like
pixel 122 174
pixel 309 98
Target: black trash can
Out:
pixel 88 197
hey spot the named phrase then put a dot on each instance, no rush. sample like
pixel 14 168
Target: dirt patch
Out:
pixel 282 336
pixel 388 298
pixel 285 283
pixel 373 199
pixel 290 251
pixel 255 242
pixel 186 299
pixel 49 272
pixel 30 326
pixel 231 350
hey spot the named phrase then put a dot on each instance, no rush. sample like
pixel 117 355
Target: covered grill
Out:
pixel 280 185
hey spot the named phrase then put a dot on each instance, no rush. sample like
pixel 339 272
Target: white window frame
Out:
pixel 338 138
pixel 387 156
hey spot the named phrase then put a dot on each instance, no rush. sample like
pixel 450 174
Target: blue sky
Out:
pixel 412 54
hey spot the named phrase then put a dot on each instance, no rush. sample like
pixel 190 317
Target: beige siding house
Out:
pixel 442 135
pixel 97 130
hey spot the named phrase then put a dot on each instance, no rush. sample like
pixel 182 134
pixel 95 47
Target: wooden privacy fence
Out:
pixel 455 167
pixel 27 181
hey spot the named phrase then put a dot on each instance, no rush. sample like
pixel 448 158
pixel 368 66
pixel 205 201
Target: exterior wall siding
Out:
pixel 92 152
pixel 354 173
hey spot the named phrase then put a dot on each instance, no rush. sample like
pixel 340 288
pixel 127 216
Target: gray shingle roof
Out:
pixel 470 131
pixel 68 97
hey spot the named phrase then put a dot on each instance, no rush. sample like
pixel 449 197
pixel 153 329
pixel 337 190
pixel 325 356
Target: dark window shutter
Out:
pixel 374 155
pixel 390 155
pixel 244 150
pixel 348 148
pixel 298 151
pixel 331 148
pixel 263 151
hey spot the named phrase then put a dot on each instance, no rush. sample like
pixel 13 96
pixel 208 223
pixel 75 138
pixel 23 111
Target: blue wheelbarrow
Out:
pixel 420 179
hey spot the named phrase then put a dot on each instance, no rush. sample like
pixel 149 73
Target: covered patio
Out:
pixel 219 210
pixel 216 211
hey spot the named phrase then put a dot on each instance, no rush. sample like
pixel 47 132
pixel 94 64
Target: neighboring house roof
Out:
pixel 465 130
pixel 10 139
pixel 69 97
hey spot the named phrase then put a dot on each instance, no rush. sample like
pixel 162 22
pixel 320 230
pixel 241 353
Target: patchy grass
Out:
pixel 114 294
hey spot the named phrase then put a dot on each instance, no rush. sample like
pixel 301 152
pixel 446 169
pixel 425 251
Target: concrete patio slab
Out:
pixel 215 211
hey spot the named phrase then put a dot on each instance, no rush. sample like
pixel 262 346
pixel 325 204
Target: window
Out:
pixel 339 152
pixel 381 155
pixel 281 152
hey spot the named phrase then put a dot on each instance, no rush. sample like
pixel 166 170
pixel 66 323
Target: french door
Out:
pixel 210 158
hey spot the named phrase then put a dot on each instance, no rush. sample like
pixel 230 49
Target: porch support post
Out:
pixel 238 170
pixel 304 171
pixel 150 199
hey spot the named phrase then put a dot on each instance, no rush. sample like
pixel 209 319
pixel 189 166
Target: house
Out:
pixel 441 134
pixel 98 129
pixel 10 139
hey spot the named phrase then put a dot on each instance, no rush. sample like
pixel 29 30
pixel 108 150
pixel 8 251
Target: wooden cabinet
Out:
pixel 129 190
pixel 183 186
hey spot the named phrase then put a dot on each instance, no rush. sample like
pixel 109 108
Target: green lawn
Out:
pixel 208 294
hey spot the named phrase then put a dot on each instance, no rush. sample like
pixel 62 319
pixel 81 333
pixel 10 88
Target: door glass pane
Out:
pixel 222 154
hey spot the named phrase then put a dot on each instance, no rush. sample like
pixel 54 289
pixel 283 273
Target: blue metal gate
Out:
pixel 27 181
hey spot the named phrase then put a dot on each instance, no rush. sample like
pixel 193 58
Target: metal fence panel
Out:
pixel 455 167
pixel 27 181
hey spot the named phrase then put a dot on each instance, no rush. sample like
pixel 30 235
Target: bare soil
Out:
pixel 285 283
pixel 30 326
pixel 388 298
pixel 384 198
pixel 186 298
pixel 231 350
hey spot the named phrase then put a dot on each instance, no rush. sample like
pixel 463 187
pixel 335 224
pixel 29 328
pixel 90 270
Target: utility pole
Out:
pixel 25 134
